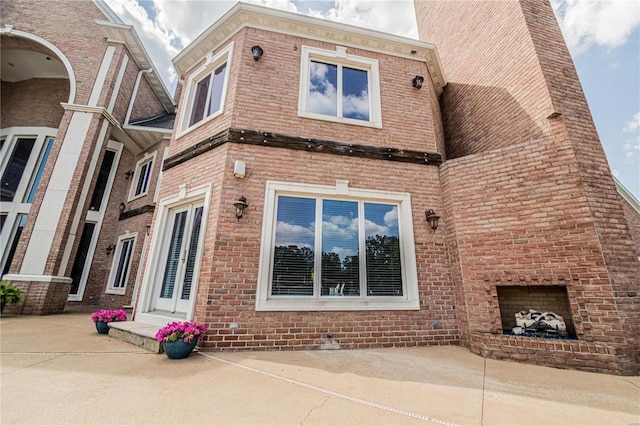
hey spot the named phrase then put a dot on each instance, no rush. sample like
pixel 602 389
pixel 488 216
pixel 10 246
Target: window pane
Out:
pixel 340 248
pixel 36 180
pixel 143 178
pixel 80 261
pixel 384 276
pixel 199 100
pixel 216 89
pixel 103 179
pixel 191 257
pixel 15 168
pixel 123 264
pixel 294 247
pixel 355 94
pixel 323 83
pixel 22 219
pixel 173 256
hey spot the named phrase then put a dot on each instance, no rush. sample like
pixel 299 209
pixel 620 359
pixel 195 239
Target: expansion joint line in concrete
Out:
pixel 332 393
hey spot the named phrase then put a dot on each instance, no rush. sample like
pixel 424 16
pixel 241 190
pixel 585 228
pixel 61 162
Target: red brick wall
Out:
pixel 531 198
pixel 633 219
pixel 263 95
pixel 495 95
pixel 34 102
pixel 267 96
pixel 146 103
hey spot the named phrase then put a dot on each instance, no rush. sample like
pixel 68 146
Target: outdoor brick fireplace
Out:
pixel 578 350
pixel 514 299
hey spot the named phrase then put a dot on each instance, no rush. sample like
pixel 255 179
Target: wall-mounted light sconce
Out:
pixel 148 229
pixel 110 248
pixel 128 174
pixel 432 218
pixel 417 81
pixel 257 52
pixel 240 205
pixel 122 207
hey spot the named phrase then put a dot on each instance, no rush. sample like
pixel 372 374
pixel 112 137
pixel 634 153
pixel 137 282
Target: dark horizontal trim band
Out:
pixel 274 140
pixel 135 212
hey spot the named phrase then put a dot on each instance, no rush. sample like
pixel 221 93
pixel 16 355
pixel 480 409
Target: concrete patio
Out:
pixel 58 370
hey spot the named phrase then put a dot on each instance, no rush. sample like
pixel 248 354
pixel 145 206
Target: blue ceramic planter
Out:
pixel 102 327
pixel 179 349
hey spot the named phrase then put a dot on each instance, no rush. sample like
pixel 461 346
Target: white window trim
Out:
pixel 211 63
pixel 339 56
pixel 148 158
pixel 114 263
pixel 266 302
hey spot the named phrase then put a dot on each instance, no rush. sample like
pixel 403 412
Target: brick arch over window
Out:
pixel 59 55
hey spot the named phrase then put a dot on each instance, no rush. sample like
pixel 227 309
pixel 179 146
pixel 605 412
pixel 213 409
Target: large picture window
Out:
pixel 325 249
pixel 339 87
pixel 206 90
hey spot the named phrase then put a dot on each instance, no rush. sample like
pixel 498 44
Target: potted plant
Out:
pixel 180 338
pixel 104 316
pixel 9 294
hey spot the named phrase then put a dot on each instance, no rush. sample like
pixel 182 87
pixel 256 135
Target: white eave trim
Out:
pixel 628 196
pixel 147 129
pixel 244 15
pixel 126 34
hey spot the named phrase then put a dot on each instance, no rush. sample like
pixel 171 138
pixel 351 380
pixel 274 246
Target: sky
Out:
pixel 603 37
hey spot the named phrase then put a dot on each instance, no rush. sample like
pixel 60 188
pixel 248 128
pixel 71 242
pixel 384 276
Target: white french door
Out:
pixel 179 259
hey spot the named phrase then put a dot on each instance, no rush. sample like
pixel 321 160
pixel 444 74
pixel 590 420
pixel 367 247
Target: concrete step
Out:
pixel 136 333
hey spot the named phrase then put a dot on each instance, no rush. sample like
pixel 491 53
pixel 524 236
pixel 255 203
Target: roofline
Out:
pixel 126 34
pixel 107 11
pixel 243 15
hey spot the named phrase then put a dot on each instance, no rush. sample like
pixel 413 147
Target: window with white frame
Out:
pixel 340 87
pixel 336 248
pixel 24 152
pixel 206 90
pixel 142 176
pixel 121 266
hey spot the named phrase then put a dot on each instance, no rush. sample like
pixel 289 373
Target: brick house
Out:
pixel 85 123
pixel 307 158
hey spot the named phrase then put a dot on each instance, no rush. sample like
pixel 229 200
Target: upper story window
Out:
pixel 339 87
pixel 206 90
pixel 336 249
pixel 142 176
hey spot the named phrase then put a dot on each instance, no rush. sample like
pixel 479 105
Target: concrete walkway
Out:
pixel 58 370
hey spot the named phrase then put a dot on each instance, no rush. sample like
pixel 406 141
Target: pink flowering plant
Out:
pixel 185 331
pixel 106 315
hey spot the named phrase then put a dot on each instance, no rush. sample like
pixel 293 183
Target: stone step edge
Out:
pixel 136 333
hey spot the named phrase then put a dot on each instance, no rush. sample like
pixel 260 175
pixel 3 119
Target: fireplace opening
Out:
pixel 536 311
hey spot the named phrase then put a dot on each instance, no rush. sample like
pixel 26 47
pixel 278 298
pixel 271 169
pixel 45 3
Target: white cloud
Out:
pixel 356 106
pixel 372 228
pixel 344 252
pixel 287 232
pixel 390 16
pixel 391 217
pixel 633 124
pixel 604 23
